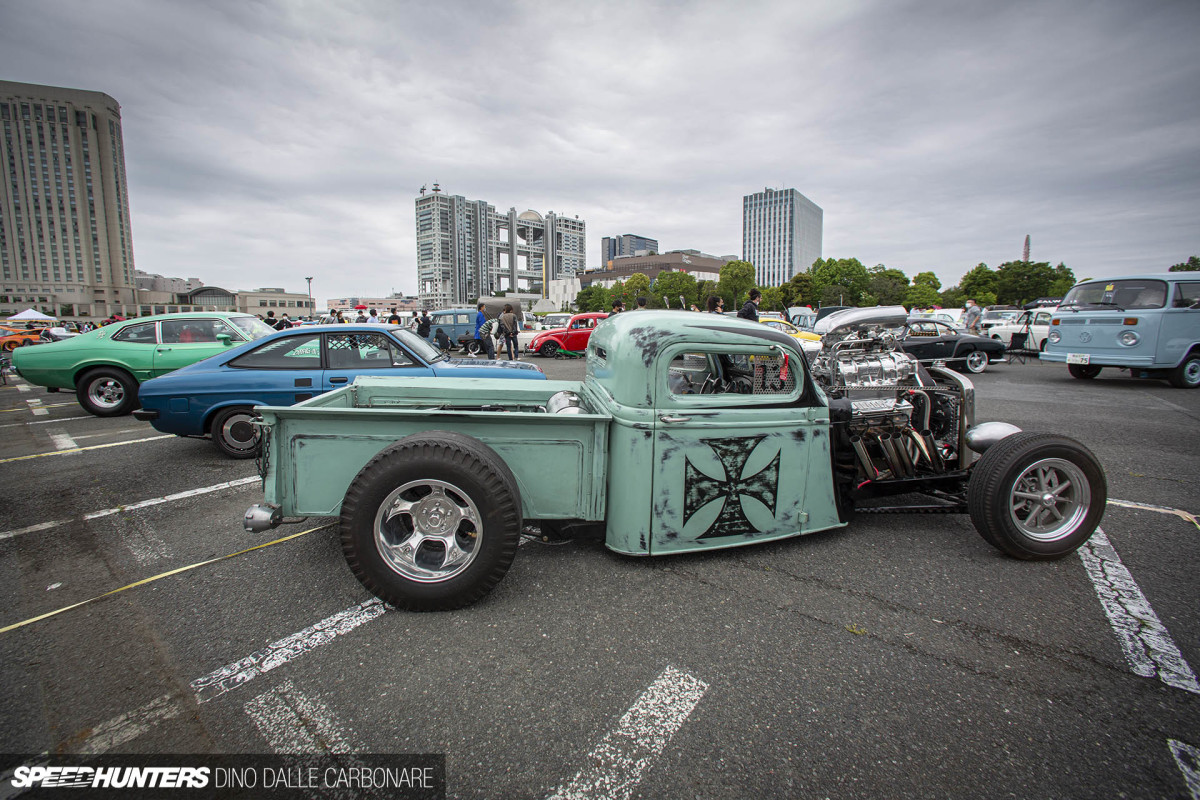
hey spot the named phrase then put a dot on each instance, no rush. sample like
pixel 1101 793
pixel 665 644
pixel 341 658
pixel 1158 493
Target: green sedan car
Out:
pixel 104 367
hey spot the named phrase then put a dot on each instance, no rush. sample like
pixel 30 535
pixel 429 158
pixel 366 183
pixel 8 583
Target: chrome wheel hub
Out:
pixel 428 531
pixel 1050 499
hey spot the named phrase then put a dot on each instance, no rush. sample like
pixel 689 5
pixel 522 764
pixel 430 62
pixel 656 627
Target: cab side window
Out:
pixel 137 334
pixel 763 376
pixel 1186 295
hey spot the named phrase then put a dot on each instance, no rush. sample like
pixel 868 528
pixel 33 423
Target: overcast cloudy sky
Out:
pixel 267 141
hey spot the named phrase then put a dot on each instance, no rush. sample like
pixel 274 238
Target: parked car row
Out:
pixel 222 365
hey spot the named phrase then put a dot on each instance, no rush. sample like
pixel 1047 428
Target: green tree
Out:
pixel 704 289
pixel 772 299
pixel 955 297
pixel 798 290
pixel 1064 279
pixel 978 281
pixel 839 277
pixel 924 291
pixel 1191 265
pixel 737 279
pixel 638 285
pixel 885 287
pixel 673 285
pixel 1018 282
pixel 593 298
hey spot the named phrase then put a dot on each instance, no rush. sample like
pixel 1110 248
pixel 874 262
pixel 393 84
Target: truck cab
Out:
pixel 1146 324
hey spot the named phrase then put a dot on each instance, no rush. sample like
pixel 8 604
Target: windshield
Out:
pixel 424 350
pixel 253 327
pixel 1121 294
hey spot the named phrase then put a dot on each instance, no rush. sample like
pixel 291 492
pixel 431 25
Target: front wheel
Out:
pixel 432 523
pixel 976 362
pixel 10 346
pixel 548 349
pixel 472 347
pixel 234 432
pixel 1084 372
pixel 107 392
pixel 1187 374
pixel 1037 496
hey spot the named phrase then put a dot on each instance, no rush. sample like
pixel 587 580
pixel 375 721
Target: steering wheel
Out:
pixel 710 385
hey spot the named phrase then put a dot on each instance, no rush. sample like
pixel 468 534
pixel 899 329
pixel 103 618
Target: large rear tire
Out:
pixel 1037 496
pixel 107 392
pixel 432 523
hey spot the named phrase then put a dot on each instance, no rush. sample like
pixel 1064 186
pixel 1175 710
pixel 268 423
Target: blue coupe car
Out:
pixel 216 397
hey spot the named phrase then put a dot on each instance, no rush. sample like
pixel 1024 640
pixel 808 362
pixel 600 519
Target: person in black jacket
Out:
pixel 423 324
pixel 750 310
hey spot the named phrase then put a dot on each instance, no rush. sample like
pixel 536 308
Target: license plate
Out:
pixel 1079 358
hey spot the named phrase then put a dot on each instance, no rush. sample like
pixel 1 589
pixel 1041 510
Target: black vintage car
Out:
pixel 931 340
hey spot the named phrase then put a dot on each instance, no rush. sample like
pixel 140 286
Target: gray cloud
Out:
pixel 266 141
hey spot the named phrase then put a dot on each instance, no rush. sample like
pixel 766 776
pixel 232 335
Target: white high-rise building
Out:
pixel 781 234
pixel 466 250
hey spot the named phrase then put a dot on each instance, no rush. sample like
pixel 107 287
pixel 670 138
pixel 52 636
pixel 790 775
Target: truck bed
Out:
pixel 559 460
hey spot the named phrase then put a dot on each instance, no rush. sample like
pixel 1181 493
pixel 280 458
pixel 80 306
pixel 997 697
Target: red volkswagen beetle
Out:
pixel 573 338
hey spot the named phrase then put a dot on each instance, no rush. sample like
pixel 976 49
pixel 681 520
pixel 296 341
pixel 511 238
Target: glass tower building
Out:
pixel 627 244
pixel 66 245
pixel 781 234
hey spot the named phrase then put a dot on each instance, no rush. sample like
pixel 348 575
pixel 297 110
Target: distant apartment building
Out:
pixel 701 266
pixel 781 234
pixel 66 245
pixel 405 304
pixel 465 249
pixel 627 244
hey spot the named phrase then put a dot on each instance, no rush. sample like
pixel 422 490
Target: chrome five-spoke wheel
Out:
pixel 427 530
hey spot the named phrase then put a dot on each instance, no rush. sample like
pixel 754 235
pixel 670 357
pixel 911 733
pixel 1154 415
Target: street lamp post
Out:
pixel 311 313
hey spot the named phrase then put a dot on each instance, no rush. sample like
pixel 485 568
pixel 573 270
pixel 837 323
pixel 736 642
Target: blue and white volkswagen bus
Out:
pixel 1147 324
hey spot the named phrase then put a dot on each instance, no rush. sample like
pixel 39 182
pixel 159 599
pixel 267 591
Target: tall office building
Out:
pixel 627 244
pixel 465 249
pixel 66 246
pixel 781 234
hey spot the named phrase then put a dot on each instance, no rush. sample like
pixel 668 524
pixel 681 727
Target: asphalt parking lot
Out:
pixel 899 657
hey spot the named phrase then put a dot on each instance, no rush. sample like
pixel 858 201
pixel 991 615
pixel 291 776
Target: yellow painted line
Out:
pixel 1175 512
pixel 81 449
pixel 160 576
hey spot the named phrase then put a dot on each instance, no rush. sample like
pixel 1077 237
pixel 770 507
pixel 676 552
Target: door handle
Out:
pixel 338 380
pixel 162 349
pixel 669 418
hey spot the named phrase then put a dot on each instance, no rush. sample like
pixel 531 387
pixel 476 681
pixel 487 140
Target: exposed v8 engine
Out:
pixel 904 421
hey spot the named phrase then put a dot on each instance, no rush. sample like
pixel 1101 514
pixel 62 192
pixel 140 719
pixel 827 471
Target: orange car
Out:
pixel 12 338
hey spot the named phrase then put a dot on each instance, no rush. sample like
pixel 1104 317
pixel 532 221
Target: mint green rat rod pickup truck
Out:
pixel 689 432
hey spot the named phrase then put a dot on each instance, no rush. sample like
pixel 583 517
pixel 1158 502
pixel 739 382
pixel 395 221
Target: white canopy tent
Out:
pixel 29 315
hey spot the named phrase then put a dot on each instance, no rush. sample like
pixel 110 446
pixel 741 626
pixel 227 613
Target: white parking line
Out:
pixel 294 723
pixel 616 764
pixel 41 526
pixel 1147 645
pixel 1188 760
pixel 36 407
pixel 43 421
pixel 81 449
pixel 62 440
pixel 127 727
pixel 280 652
